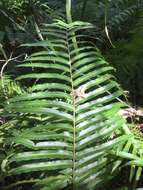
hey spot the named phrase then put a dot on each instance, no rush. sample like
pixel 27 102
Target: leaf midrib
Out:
pixel 74 114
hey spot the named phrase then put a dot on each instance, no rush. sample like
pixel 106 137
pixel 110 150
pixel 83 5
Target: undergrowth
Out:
pixel 127 59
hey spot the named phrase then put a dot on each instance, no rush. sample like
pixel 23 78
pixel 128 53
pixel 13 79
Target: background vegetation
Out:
pixel 66 121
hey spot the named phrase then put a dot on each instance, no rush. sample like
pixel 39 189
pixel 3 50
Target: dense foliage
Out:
pixel 63 117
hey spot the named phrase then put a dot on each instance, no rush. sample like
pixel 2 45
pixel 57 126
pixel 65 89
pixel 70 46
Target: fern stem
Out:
pixel 74 119
pixel 68 11
pixel 69 20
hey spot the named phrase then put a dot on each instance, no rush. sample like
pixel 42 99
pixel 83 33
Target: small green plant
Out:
pixel 16 6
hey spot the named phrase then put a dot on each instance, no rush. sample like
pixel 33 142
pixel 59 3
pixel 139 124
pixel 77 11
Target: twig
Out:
pixel 2 71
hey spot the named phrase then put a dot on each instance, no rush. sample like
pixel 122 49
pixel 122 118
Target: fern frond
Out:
pixel 74 91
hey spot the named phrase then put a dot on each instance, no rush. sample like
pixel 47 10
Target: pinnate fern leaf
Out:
pixel 75 97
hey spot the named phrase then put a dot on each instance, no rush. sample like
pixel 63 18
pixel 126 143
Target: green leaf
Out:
pixel 76 100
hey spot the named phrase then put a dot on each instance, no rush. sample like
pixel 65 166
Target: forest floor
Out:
pixel 127 58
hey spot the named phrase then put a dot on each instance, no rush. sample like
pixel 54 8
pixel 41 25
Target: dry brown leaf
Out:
pixel 80 92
